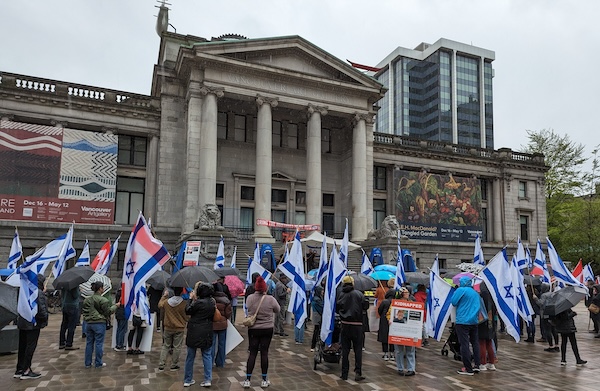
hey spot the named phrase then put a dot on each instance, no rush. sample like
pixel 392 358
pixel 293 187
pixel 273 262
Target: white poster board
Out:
pixel 192 253
pixel 406 323
pixel 233 338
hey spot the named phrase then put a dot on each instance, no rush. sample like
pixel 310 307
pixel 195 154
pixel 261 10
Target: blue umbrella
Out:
pixel 382 275
pixel 387 268
pixel 313 273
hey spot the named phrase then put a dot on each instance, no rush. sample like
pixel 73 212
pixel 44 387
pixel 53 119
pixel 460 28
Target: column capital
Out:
pixel 369 118
pixel 219 92
pixel 261 100
pixel 59 124
pixel 316 109
pixel 7 117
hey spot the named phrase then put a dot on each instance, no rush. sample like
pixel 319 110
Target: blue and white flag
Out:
pixel 523 304
pixel 588 273
pixel 522 263
pixel 220 259
pixel 528 258
pixel 561 273
pixel 400 276
pixel 16 251
pixel 111 254
pixel 66 252
pixel 539 264
pixel 233 258
pixel 366 266
pixel 293 267
pixel 322 262
pixel 28 292
pixel 478 257
pixel 344 248
pixel 335 273
pixel 439 303
pixel 84 258
pixel 251 261
pixel 256 267
pixel 497 276
pixel 143 304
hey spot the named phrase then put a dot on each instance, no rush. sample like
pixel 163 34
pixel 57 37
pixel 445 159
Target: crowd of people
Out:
pixel 200 316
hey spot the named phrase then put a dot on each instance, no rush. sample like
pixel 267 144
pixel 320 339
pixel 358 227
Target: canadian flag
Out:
pixel 101 257
pixel 578 271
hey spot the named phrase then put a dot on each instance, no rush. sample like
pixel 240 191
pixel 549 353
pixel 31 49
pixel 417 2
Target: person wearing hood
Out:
pixel 220 326
pixel 467 303
pixel 173 326
pixel 350 305
pixel 29 334
pixel 317 315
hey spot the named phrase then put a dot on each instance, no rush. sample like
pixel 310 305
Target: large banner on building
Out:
pixel 49 173
pixel 437 207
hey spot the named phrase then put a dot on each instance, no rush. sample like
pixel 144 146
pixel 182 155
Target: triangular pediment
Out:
pixel 293 54
pixel 281 176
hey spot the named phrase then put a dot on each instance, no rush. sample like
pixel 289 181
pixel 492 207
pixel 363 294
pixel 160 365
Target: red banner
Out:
pixel 55 210
pixel 275 224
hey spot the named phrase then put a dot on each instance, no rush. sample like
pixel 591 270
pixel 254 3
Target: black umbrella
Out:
pixel 158 280
pixel 417 278
pixel 533 280
pixel 8 303
pixel 563 299
pixel 362 282
pixel 189 276
pixel 72 277
pixel 226 271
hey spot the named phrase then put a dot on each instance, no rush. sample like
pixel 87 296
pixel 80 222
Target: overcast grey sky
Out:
pixel 546 67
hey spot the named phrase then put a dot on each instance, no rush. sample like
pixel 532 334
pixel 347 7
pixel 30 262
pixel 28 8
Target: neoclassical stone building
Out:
pixel 272 128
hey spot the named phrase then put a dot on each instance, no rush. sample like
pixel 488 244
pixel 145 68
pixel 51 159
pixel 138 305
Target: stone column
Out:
pixel 359 177
pixel 369 174
pixel 264 166
pixel 194 117
pixel 497 209
pixel 152 168
pixel 314 194
pixel 207 178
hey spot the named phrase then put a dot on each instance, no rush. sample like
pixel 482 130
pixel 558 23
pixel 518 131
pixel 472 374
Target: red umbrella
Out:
pixel 235 285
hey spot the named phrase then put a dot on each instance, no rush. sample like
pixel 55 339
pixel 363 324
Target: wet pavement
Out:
pixel 523 366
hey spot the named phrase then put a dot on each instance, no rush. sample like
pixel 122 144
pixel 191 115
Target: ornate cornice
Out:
pixel 219 92
pixel 369 118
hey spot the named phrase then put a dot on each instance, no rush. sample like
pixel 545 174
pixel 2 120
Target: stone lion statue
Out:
pixel 209 219
pixel 389 229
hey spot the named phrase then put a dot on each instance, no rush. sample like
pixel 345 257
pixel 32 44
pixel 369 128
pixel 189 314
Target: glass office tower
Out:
pixel 440 92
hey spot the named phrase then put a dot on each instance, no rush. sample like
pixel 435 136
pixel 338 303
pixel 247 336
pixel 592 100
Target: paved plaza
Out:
pixel 522 366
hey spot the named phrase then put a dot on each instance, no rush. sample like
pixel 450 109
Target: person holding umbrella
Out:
pixel 70 315
pixel 565 325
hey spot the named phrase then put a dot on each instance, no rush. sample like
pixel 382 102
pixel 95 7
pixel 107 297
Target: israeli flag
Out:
pixel 344 247
pixel 400 276
pixel 28 294
pixel 366 267
pixel 322 262
pixel 293 268
pixel 233 257
pixel 84 258
pixel 256 267
pixel 335 273
pixel 561 273
pixel 251 261
pixel 66 252
pixel 439 303
pixel 16 251
pixel 478 257
pixel 523 304
pixel 588 273
pixel 497 276
pixel 539 264
pixel 220 259
pixel 522 262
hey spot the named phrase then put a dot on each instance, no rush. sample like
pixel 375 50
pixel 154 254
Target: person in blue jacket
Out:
pixel 466 300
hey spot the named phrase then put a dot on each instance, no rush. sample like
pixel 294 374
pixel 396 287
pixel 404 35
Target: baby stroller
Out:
pixel 452 344
pixel 333 353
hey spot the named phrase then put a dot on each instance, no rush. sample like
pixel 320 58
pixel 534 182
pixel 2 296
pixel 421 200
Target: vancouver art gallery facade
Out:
pixel 271 128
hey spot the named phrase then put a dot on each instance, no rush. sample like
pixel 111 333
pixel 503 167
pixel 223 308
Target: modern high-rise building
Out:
pixel 440 92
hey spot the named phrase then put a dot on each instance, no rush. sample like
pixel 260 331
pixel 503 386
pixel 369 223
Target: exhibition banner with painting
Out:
pixel 437 207
pixel 406 323
pixel 50 173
